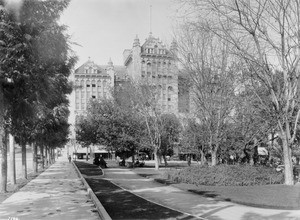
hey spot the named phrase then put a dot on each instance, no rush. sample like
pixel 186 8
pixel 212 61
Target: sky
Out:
pixel 105 28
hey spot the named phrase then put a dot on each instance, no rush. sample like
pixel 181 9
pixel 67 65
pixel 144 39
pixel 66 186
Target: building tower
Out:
pixel 154 63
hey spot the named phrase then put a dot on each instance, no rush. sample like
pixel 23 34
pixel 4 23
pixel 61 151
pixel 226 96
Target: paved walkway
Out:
pixel 187 202
pixel 57 193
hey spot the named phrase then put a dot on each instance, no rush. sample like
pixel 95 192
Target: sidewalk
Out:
pixel 57 193
pixel 187 202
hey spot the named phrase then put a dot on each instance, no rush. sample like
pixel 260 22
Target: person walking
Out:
pixel 69 157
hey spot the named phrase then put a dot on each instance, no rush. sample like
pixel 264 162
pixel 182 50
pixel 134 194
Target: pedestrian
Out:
pixel 189 160
pixel 69 157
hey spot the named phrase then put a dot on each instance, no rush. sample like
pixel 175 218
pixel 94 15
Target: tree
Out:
pixel 194 139
pixel 265 35
pixel 111 124
pixel 170 129
pixel 34 53
pixel 206 59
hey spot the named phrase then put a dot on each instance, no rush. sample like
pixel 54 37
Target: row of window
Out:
pixel 82 105
pixel 155 51
pixel 90 70
pixel 158 64
pixel 159 76
pixel 88 83
pixel 88 94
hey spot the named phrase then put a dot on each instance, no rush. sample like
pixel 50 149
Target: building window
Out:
pixel 169 99
pixel 93 96
pixel 88 85
pixel 77 105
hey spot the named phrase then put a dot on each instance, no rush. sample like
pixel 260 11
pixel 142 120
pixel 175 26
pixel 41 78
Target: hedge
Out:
pixel 226 175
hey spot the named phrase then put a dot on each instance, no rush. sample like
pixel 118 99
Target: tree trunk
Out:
pixel 3 160
pixel 12 160
pixel 3 146
pixel 24 162
pixel 49 156
pixel 46 155
pixel 156 157
pixel 214 157
pixel 92 154
pixel 53 155
pixel 288 166
pixel 34 158
pixel 87 153
pixel 203 159
pixel 42 156
pixel 165 160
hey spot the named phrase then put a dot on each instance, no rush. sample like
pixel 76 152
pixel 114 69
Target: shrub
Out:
pixel 226 175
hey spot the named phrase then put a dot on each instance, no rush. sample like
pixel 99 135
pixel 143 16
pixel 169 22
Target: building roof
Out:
pixel 120 71
pixel 101 70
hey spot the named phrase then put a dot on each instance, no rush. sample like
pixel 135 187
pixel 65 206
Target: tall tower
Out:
pixel 155 64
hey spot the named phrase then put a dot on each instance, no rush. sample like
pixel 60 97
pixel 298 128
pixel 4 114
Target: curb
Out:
pixel 101 210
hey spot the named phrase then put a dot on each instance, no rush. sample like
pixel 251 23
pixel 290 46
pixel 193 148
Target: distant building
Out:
pixel 92 81
pixel 155 64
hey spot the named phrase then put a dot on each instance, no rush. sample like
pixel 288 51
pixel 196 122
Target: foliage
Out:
pixel 109 124
pixel 194 139
pixel 170 130
pixel 35 61
pixel 227 175
pixel 36 64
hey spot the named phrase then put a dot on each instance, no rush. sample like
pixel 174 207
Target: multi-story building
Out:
pixel 152 62
pixel 155 64
pixel 92 81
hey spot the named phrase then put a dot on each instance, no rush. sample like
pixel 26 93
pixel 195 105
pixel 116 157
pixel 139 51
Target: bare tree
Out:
pixel 266 35
pixel 205 58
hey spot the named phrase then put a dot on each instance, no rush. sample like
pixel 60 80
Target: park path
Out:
pixel 57 193
pixel 190 203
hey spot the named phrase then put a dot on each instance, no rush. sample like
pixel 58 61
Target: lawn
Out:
pixel 276 196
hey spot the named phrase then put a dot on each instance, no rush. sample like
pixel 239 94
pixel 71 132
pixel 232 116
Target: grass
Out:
pixel 277 196
pixel 264 196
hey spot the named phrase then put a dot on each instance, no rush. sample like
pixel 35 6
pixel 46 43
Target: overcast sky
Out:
pixel 104 28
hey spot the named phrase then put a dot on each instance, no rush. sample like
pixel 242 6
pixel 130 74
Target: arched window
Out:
pixel 82 85
pixel 88 84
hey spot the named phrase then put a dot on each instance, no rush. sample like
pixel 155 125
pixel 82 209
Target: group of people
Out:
pixel 100 162
pixel 137 163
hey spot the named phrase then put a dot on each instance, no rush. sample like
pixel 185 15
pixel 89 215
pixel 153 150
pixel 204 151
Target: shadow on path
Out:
pixel 121 204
